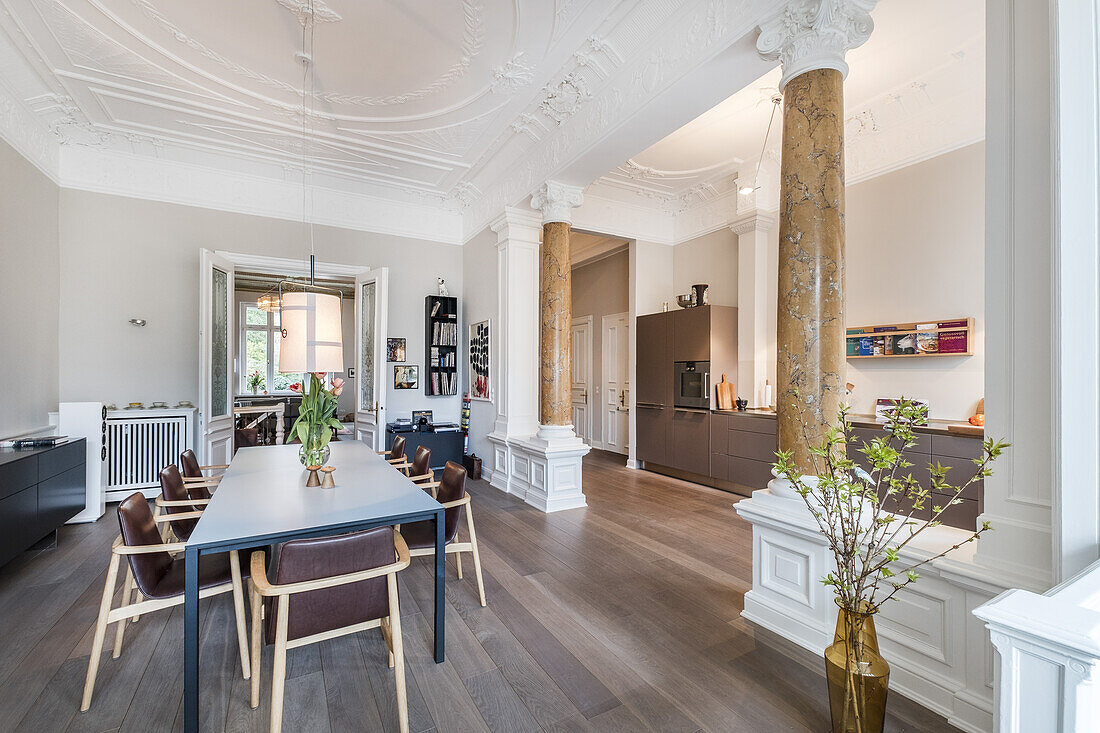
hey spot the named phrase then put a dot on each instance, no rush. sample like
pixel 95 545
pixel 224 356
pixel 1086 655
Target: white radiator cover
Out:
pixel 142 442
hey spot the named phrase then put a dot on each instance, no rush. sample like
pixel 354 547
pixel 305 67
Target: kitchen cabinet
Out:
pixel 653 381
pixel 653 425
pixel 691 441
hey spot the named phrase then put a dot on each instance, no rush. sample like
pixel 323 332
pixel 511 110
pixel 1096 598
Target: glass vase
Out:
pixel 312 452
pixel 857 675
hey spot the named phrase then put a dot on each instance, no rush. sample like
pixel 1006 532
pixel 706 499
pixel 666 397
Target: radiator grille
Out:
pixel 137 448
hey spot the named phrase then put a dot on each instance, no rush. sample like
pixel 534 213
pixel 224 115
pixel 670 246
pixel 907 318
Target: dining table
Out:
pixel 262 499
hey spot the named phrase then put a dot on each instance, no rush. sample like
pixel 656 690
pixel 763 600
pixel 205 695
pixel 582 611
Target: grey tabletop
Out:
pixel 263 493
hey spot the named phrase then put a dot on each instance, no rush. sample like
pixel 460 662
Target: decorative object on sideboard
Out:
pixel 978 418
pixel 686 301
pixel 255 383
pixel 442 287
pixel 742 404
pixel 422 420
pixel 395 349
pixel 406 376
pixel 480 361
pixel 701 294
pixel 868 536
pixel 316 421
pixel 139 322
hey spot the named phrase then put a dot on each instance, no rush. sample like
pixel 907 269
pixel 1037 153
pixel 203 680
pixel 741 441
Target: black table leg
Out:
pixel 191 641
pixel 440 596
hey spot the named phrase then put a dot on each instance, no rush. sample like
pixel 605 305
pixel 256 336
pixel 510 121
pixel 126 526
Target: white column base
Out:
pixel 543 469
pixel 939 656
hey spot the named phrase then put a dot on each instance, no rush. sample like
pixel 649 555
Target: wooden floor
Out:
pixel 619 617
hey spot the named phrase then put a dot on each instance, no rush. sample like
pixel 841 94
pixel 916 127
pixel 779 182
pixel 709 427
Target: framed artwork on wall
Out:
pixel 395 349
pixel 480 383
pixel 406 376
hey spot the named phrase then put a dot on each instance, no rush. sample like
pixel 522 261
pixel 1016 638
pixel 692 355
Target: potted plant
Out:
pixel 868 519
pixel 316 418
pixel 255 382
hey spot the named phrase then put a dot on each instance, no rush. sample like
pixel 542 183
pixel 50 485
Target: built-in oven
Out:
pixel 692 387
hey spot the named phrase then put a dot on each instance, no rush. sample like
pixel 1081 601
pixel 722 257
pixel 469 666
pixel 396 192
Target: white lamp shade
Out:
pixel 313 341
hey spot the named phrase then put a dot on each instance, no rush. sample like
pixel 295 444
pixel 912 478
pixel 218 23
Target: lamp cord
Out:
pixel 308 81
pixel 775 105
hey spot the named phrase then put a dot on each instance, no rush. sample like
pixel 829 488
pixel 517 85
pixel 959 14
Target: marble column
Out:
pixel 810 364
pixel 556 201
pixel 810 40
pixel 555 326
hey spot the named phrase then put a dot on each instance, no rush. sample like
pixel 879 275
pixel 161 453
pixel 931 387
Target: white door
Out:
pixel 615 342
pixel 371 299
pixel 217 344
pixel 582 377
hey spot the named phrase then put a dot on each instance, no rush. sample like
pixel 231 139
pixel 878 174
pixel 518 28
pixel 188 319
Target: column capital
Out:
pixel 557 201
pixel 517 224
pixel 752 221
pixel 815 34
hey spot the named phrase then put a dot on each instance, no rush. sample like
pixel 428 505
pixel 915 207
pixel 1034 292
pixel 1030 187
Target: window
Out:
pixel 259 352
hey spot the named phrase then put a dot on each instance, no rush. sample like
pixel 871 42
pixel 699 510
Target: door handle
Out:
pixel 651 405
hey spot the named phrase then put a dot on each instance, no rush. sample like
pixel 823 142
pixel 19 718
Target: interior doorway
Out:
pixel 239 345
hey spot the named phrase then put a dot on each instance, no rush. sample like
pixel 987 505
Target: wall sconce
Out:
pixel 138 321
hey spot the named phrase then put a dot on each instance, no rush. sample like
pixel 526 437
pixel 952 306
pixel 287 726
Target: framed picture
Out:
pixel 480 382
pixel 395 349
pixel 406 376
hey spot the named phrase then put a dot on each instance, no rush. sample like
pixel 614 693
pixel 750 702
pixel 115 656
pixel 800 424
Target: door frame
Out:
pixel 372 431
pixel 292 267
pixel 215 433
pixel 588 321
pixel 624 383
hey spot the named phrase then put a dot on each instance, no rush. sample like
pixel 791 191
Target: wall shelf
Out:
pixel 441 345
pixel 884 340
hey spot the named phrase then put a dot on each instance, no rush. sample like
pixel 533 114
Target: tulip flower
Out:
pixel 296 387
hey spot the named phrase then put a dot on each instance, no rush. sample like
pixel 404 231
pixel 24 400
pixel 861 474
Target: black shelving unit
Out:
pixel 441 339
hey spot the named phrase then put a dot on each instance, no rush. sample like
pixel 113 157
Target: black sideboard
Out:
pixel 444 446
pixel 40 490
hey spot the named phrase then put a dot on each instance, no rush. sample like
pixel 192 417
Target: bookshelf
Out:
pixel 441 341
pixel 911 340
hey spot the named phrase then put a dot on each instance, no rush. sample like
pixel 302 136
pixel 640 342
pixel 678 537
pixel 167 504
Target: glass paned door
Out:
pixel 371 296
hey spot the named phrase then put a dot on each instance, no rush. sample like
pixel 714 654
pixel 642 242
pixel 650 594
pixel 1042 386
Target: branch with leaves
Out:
pixel 869 517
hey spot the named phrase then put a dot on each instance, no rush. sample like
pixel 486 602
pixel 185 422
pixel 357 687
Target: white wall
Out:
pixel 711 259
pixel 600 288
pixel 125 258
pixel 28 295
pixel 915 251
pixel 479 301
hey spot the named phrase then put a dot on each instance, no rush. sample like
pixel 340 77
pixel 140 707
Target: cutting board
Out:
pixel 966 429
pixel 726 395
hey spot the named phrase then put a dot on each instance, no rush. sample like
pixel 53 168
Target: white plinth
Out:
pixel 544 469
pixel 939 654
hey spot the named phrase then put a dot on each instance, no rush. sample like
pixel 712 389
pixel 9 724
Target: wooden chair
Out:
pixel 192 472
pixel 420 468
pixel 354 598
pixel 178 497
pixel 396 453
pixel 157 575
pixel 450 491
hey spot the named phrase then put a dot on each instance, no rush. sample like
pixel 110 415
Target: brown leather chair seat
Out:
pixel 421 535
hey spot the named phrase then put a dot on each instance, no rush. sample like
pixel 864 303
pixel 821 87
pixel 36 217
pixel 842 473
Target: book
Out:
pixel 928 341
pixel 45 441
pixel 954 342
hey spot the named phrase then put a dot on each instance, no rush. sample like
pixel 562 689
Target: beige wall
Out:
pixel 600 288
pixel 480 301
pixel 710 259
pixel 125 258
pixel 28 295
pixel 915 252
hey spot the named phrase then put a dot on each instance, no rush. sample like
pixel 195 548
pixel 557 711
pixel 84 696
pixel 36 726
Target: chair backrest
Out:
pixel 323 610
pixel 172 488
pixel 189 464
pixel 451 488
pixel 397 450
pixel 135 521
pixel 421 459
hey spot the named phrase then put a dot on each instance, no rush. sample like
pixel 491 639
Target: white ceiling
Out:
pixel 915 89
pixel 409 95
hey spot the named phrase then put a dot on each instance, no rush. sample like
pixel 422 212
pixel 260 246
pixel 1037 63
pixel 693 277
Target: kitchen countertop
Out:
pixel 934 426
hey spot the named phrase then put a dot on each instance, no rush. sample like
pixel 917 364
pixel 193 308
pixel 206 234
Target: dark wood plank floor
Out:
pixel 619 617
